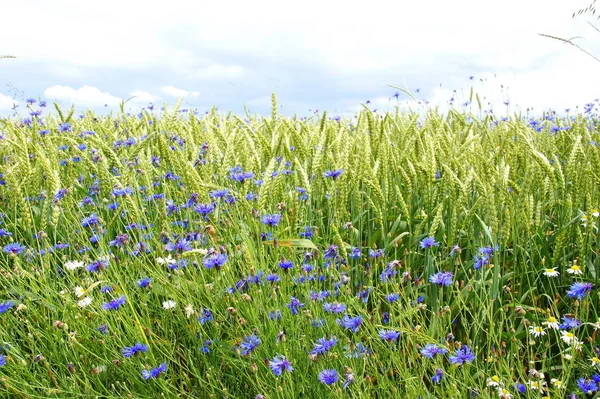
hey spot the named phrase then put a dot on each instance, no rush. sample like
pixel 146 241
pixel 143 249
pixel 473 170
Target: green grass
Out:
pixel 469 182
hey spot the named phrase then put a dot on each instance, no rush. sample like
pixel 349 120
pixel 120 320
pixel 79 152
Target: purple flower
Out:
pixel 462 356
pixel 205 209
pixel 389 335
pixel 279 364
pixel 114 304
pixel 350 323
pixel 441 278
pixel 569 323
pixel 144 282
pixel 579 290
pixel 249 344
pixel 286 264
pixel 588 387
pixel 294 305
pixel 2 360
pixel 4 307
pixel 428 242
pixel 155 372
pixel 334 307
pixel 437 377
pixel 328 377
pixel 134 350
pixel 14 248
pixel 430 351
pixel 180 246
pixel 271 220
pixel 214 260
pixel 323 345
pixel 334 174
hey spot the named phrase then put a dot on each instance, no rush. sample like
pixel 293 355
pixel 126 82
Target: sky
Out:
pixel 326 55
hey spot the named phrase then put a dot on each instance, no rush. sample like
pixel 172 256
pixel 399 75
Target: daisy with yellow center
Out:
pixel 552 272
pixel 595 361
pixel 536 331
pixel 79 292
pixel 504 393
pixel 557 383
pixel 535 385
pixel 552 322
pixel 595 213
pixel 575 270
pixel 494 381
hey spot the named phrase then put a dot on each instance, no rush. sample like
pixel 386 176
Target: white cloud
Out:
pixel 87 96
pixel 218 71
pixel 6 102
pixel 141 96
pixel 177 92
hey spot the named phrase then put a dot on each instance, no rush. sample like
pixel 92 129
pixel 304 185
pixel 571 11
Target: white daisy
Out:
pixel 536 331
pixel 189 311
pixel 504 393
pixel 595 361
pixel 595 213
pixel 79 292
pixel 552 323
pixel 494 381
pixel 552 272
pixel 575 270
pixel 170 304
pixel 85 302
pixel 556 383
pixel 73 264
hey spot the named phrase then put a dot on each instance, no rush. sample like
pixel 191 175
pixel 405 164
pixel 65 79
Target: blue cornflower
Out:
pixel 428 242
pixel 286 264
pixel 155 372
pixel 206 316
pixel 114 304
pixel 462 356
pixel 334 307
pixel 437 377
pixel 65 127
pixel 355 253
pixel 4 233
pixel 294 305
pixel 204 209
pixel 331 252
pixel 134 350
pixel 588 387
pixel 249 344
pixel 359 351
pixel 334 174
pixel 328 377
pixel 180 246
pixel 2 360
pixel 430 351
pixel 219 193
pixel 392 297
pixel 214 260
pixel 4 307
pixel 89 221
pixel 14 248
pixel 389 335
pixel 441 278
pixel 144 282
pixel 106 289
pixel 275 315
pixel 569 323
pixel 579 290
pixel 480 261
pixel 271 220
pixel 364 295
pixel 279 364
pixel 97 265
pixel 521 388
pixel 350 323
pixel 272 278
pixel 307 233
pixel 323 345
pixel 376 253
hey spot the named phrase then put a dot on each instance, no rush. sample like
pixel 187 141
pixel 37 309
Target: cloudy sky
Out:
pixel 323 54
